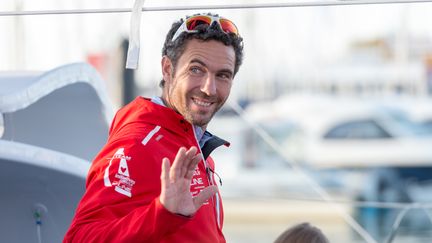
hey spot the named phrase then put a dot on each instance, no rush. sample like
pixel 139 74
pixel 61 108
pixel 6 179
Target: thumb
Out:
pixel 204 195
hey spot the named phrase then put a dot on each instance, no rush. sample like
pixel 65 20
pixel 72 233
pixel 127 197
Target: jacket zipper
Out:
pixel 210 180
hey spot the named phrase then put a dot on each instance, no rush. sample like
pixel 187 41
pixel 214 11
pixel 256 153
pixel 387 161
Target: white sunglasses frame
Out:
pixel 182 28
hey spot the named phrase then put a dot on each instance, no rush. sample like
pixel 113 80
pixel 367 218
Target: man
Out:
pixel 153 181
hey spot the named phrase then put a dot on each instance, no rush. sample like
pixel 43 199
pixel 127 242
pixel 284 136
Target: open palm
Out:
pixel 176 179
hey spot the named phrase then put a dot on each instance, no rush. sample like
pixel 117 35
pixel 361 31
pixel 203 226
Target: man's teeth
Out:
pixel 201 103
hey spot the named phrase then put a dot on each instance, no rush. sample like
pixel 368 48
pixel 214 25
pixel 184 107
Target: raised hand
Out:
pixel 175 192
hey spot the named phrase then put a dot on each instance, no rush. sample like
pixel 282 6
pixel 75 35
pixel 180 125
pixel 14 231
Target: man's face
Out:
pixel 202 80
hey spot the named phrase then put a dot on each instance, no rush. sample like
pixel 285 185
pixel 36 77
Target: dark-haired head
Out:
pixel 302 233
pixel 173 49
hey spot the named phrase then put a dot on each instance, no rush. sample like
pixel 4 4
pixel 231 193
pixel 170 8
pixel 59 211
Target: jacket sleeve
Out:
pixel 121 202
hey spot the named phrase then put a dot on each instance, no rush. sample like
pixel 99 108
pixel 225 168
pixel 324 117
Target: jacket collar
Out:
pixel 153 111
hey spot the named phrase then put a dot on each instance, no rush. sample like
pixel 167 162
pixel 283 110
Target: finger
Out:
pixel 190 154
pixel 192 166
pixel 177 165
pixel 188 157
pixel 204 195
pixel 192 151
pixel 165 180
pixel 165 171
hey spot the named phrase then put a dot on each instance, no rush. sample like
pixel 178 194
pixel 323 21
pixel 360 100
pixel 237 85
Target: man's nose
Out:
pixel 209 85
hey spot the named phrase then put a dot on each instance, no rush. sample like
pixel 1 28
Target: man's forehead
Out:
pixel 209 52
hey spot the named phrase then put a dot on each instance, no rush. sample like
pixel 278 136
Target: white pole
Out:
pixel 304 3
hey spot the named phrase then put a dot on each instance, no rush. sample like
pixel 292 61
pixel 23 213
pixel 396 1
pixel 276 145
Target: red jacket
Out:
pixel 121 202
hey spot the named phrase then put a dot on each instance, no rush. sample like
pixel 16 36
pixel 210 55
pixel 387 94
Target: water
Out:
pixel 262 220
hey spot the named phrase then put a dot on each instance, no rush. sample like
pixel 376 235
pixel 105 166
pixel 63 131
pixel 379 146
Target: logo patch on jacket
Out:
pixel 122 182
pixel 198 183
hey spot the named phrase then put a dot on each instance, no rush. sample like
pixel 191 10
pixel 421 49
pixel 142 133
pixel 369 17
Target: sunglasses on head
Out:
pixel 190 25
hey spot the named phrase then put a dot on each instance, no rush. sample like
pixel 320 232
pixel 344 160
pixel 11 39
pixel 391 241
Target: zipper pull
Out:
pixel 208 169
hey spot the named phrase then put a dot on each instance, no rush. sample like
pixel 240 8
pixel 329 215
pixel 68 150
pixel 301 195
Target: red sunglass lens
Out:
pixel 228 26
pixel 193 22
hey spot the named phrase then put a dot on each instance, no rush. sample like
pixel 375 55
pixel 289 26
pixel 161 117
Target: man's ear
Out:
pixel 167 69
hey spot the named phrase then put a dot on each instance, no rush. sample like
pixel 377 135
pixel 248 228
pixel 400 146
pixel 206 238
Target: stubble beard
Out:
pixel 200 119
pixel 184 108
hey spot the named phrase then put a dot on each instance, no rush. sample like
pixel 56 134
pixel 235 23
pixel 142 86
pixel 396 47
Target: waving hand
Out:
pixel 175 192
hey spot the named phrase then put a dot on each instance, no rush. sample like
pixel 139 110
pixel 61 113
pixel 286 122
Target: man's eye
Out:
pixel 224 76
pixel 195 70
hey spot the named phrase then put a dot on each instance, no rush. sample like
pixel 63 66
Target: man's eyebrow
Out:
pixel 226 71
pixel 198 61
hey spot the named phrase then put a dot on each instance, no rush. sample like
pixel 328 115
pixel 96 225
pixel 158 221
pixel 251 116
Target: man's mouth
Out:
pixel 201 102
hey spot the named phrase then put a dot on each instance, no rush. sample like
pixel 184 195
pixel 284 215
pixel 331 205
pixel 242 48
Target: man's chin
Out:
pixel 201 121
pixel 200 118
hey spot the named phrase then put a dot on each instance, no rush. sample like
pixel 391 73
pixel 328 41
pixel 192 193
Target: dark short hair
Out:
pixel 302 233
pixel 173 49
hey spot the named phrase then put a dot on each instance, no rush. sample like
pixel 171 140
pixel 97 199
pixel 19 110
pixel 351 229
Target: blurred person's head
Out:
pixel 302 233
pixel 201 56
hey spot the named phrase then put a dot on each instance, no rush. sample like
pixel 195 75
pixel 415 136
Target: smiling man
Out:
pixel 154 179
pixel 202 81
